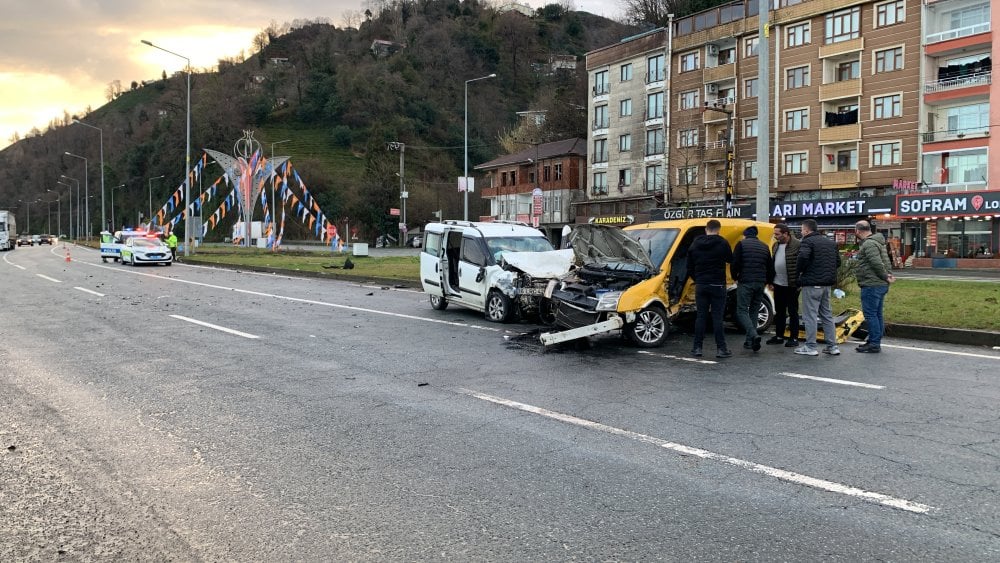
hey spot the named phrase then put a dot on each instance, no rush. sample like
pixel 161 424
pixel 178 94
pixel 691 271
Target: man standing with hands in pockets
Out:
pixel 874 275
pixel 817 265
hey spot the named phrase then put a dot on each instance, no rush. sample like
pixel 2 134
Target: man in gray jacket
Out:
pixel 817 265
pixel 874 275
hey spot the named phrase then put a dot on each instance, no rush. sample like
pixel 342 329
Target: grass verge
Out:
pixel 401 268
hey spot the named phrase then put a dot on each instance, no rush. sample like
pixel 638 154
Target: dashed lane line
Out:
pixel 85 290
pixel 781 474
pixel 829 380
pixel 216 327
pixel 938 351
pixel 44 277
pixel 680 358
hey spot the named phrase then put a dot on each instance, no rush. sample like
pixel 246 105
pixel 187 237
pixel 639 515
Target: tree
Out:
pixel 261 41
pixel 656 11
pixel 113 90
pixel 351 19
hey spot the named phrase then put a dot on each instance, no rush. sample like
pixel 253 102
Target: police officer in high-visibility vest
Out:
pixel 172 244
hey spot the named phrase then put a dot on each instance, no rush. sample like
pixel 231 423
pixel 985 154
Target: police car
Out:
pixel 112 244
pixel 145 250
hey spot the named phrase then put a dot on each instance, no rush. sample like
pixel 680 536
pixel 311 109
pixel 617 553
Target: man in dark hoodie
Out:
pixel 817 265
pixel 706 264
pixel 752 269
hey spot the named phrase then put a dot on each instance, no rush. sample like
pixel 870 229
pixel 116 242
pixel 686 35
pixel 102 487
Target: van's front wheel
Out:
pixel 650 327
pixel 498 307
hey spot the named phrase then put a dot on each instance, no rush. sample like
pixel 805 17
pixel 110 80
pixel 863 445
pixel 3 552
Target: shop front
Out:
pixel 951 230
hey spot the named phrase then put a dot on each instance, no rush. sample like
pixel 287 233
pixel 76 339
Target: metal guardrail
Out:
pixel 978 79
pixel 957 33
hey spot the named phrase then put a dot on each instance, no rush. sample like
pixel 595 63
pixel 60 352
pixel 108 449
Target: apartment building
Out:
pixel 537 185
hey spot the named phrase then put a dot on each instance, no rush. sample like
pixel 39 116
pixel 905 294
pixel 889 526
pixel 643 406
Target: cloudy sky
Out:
pixel 60 55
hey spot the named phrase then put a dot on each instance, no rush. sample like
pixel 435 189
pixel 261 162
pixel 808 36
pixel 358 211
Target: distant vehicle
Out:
pixel 25 240
pixel 415 241
pixel 45 239
pixel 54 239
pixel 36 239
pixel 8 231
pixel 145 250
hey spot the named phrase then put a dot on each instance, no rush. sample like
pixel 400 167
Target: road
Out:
pixel 192 413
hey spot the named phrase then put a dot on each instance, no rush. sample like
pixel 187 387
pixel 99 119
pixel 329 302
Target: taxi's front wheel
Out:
pixel 650 328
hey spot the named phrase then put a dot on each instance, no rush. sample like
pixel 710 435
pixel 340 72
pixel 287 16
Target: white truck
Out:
pixel 8 231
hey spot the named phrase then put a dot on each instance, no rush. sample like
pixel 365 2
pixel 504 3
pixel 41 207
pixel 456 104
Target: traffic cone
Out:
pixel 68 259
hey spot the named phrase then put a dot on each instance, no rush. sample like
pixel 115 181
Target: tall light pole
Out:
pixel 27 213
pixel 401 147
pixel 58 200
pixel 151 195
pixel 101 131
pixel 465 177
pixel 113 206
pixel 187 154
pixel 86 191
pixel 273 174
pixel 71 205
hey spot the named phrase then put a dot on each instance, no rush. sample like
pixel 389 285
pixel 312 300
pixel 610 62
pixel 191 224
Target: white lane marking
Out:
pixel 996 347
pixel 681 358
pixel 301 300
pixel 936 351
pixel 828 380
pixel 44 277
pixel 781 474
pixel 216 327
pixel 13 264
pixel 85 290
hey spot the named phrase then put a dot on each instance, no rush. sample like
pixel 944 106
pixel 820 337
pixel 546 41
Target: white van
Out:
pixel 498 268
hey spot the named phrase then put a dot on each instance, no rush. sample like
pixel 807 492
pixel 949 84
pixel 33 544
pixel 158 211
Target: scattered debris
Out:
pixel 11 448
pixel 422 384
pixel 370 293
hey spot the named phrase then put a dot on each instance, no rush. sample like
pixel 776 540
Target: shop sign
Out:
pixel 822 208
pixel 612 220
pixel 666 214
pixel 956 203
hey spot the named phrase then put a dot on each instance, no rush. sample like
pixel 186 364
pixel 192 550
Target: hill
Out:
pixel 339 95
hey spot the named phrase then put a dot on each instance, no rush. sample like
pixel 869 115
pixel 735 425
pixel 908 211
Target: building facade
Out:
pixel 537 185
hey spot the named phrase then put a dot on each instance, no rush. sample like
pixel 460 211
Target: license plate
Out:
pixel 532 291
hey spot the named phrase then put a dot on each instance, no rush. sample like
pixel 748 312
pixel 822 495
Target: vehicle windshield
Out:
pixel 498 245
pixel 657 242
pixel 145 242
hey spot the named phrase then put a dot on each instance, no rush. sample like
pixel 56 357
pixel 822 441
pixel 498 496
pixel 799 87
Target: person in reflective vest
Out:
pixel 172 244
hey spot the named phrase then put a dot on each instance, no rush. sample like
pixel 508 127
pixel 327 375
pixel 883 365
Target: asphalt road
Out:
pixel 311 419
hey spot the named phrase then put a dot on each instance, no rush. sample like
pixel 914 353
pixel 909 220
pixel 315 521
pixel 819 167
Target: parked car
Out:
pixel 501 269
pixel 415 241
pixel 145 250
pixel 635 279
pixel 45 239
pixel 25 240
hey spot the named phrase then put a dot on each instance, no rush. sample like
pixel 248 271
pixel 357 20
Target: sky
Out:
pixel 59 56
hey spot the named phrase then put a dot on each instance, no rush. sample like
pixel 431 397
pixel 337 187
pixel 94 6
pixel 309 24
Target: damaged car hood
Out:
pixel 548 264
pixel 607 246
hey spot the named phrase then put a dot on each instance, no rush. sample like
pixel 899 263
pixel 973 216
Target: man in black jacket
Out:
pixel 706 264
pixel 752 269
pixel 817 266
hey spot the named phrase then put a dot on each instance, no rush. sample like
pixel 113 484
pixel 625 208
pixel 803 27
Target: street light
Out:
pixel 27 213
pixel 49 202
pixel 465 177
pixel 71 205
pixel 101 131
pixel 150 217
pixel 113 205
pixel 86 193
pixel 58 212
pixel 401 147
pixel 187 154
pixel 273 174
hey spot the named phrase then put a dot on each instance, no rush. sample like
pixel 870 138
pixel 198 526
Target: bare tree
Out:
pixel 351 19
pixel 113 90
pixel 261 40
pixel 655 11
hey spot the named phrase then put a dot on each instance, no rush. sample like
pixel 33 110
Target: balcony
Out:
pixel 721 103
pixel 957 33
pixel 714 151
pixel 838 90
pixel 840 134
pixel 842 179
pixel 718 73
pixel 843 47
pixel 715 184
pixel 956 134
pixel 977 79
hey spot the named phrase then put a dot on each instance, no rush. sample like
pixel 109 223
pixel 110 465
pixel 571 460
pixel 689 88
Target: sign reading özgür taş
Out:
pixel 958 203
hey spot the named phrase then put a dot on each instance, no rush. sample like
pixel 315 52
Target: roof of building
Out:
pixel 566 147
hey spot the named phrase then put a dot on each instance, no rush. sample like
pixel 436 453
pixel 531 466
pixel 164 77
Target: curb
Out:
pixel 944 335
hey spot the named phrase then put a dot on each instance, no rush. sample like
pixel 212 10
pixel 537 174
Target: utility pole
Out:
pixel 403 195
pixel 763 114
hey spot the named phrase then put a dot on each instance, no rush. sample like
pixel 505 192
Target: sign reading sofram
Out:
pixel 951 204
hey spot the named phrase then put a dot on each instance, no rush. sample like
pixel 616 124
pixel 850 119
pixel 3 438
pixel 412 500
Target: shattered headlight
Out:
pixel 608 301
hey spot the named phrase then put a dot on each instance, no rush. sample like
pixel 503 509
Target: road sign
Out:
pixel 394 211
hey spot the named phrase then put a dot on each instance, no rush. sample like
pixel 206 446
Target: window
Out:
pixel 654 106
pixel 750 47
pixel 472 251
pixel 557 169
pixel 654 178
pixel 503 178
pixel 886 154
pixel 687 138
pixel 601 84
pixel 797 119
pixel 797 77
pixel 889 60
pixel 727 56
pixel 600 183
pixel 749 128
pixel 847 160
pixel 601 117
pixel 796 163
pixel 968 118
pixel 600 150
pixel 749 169
pixel 969 16
pixel 513 178
pixel 890 13
pixel 625 108
pixel 842 25
pixel 625 142
pixel 687 175
pixel 624 178
pixel 654 69
pixel 689 61
pixel 888 106
pixel 689 99
pixel 797 35
pixel 626 72
pixel 750 88
pixel 654 142
pixel 848 70
pixel 546 173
